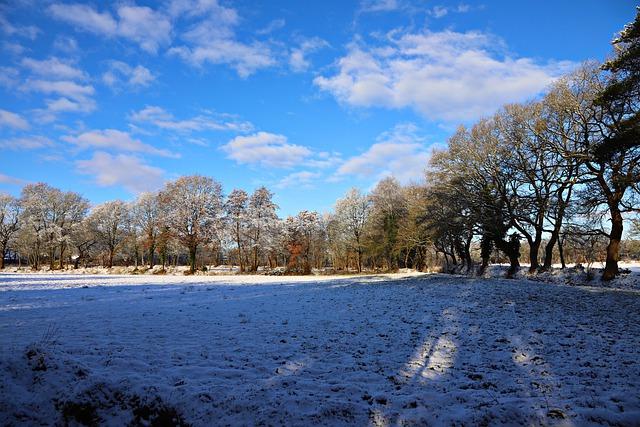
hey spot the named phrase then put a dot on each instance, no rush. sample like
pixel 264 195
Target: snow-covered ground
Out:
pixel 382 350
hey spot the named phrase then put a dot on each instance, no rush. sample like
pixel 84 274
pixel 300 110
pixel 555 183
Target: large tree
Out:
pixel 616 155
pixel 193 206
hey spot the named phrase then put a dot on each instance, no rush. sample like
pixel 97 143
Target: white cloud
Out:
pixel 246 59
pixel 379 5
pixel 61 78
pixel 25 143
pixel 29 31
pixel 162 119
pixel 444 75
pixel 72 97
pixel 274 25
pixel 145 26
pixel 141 24
pixel 65 44
pixel 12 120
pixel 124 170
pixel 302 179
pixel 442 11
pixel 297 58
pixel 9 76
pixel 210 38
pixel 53 68
pixel 266 149
pixel 65 88
pixel 400 153
pixel 115 140
pixel 121 73
pixel 85 17
pixel 13 48
pixel 6 179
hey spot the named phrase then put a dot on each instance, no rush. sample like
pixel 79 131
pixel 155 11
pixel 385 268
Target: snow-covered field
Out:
pixel 383 350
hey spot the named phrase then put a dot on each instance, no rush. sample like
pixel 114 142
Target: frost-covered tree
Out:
pixel 236 216
pixel 109 224
pixel 147 216
pixel 303 235
pixel 262 223
pixel 50 215
pixel 387 209
pixel 193 206
pixel 352 213
pixel 9 223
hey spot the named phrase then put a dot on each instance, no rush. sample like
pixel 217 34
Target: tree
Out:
pixel 147 216
pixel 236 215
pixel 108 223
pixel 39 220
pixel 262 222
pixel 304 232
pixel 352 213
pixel 387 209
pixel 615 162
pixel 9 223
pixel 193 205
pixel 83 240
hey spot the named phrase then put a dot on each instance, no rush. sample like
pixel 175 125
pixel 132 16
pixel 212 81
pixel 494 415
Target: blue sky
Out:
pixel 308 98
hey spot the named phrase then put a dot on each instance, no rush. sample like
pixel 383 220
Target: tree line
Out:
pixel 557 177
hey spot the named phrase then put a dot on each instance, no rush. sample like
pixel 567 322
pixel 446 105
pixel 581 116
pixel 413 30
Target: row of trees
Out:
pixel 566 165
pixel 557 176
pixel 190 222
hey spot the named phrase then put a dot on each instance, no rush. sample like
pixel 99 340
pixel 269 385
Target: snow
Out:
pixel 382 350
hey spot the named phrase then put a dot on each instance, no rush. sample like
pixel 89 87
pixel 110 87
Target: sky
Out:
pixel 311 98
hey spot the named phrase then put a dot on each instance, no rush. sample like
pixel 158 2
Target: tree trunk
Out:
pixel 534 248
pixel 152 250
pixel 111 255
pixel 192 258
pixel 561 252
pixel 52 258
pixel 4 252
pixel 548 249
pixel 510 248
pixel 62 249
pixel 613 249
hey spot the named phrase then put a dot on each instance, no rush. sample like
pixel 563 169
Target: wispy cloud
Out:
pixel 121 74
pixel 25 143
pixel 112 139
pixel 54 68
pixel 302 179
pixel 10 180
pixel 298 58
pixel 146 27
pixel 400 152
pixel 12 120
pixel 159 117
